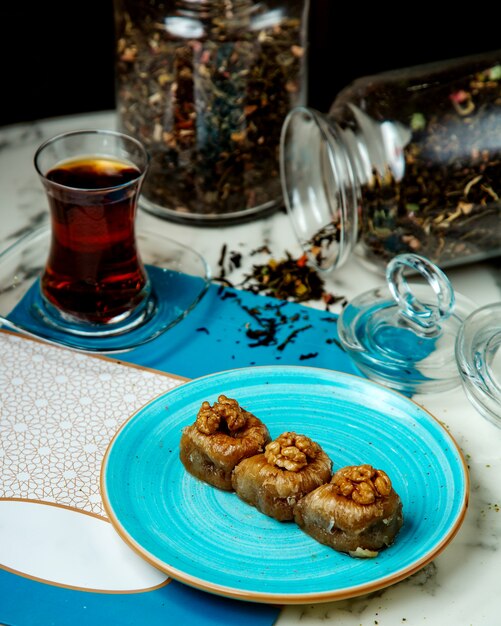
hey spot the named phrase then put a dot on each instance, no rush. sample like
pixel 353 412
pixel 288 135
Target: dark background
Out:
pixel 57 57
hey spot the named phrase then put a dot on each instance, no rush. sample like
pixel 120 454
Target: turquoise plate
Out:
pixel 211 540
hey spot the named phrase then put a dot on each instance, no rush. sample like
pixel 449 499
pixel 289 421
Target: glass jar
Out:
pixel 407 161
pixel 205 85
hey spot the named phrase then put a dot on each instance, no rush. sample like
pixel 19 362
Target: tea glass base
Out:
pixel 52 316
pixel 178 276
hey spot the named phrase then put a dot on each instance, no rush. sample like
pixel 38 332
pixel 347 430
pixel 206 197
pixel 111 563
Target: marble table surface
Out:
pixel 461 586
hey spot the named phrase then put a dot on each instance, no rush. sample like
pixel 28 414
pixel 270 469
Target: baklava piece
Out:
pixel 222 435
pixel 358 512
pixel 290 467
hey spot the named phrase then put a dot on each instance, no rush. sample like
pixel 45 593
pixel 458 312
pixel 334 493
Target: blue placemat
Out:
pixel 26 602
pixel 228 329
pixel 232 328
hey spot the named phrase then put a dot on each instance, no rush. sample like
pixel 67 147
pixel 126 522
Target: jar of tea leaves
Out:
pixel 205 85
pixel 407 161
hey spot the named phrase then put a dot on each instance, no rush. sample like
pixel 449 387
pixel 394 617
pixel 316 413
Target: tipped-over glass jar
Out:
pixel 205 85
pixel 407 161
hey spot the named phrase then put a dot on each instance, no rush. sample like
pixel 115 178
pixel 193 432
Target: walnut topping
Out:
pixel 207 419
pixel 291 451
pixel 226 409
pixel 362 483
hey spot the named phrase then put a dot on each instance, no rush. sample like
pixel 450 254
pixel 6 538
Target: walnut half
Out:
pixel 225 409
pixel 291 451
pixel 362 483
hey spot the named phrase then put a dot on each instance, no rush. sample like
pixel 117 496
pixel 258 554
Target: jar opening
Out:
pixel 319 187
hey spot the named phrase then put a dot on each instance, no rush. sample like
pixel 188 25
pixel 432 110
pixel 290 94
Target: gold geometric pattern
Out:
pixel 59 410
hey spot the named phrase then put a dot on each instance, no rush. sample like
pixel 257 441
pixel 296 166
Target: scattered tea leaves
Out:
pixel 288 279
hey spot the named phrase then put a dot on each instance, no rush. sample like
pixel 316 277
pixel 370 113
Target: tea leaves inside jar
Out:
pixel 447 204
pixel 209 108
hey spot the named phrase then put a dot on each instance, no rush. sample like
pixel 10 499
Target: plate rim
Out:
pixel 297 598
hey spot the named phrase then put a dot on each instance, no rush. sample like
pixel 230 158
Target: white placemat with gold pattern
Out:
pixel 59 409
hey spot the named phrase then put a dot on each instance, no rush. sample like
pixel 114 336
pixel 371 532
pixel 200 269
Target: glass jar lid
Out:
pixel 404 335
pixel 478 353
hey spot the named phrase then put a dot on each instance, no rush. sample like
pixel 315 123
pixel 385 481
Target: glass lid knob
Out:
pixel 403 334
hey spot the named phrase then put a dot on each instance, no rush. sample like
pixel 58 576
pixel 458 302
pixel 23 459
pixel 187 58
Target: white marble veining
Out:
pixel 461 586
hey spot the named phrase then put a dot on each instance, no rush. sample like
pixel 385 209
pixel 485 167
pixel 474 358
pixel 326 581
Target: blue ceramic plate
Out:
pixel 211 540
